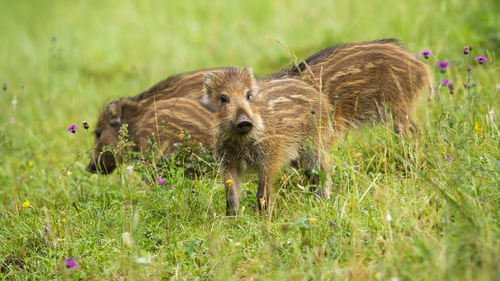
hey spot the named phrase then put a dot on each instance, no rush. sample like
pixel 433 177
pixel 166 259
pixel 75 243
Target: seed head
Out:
pixel 451 87
pixel 85 125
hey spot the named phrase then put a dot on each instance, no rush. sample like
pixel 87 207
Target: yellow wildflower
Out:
pixel 229 181
pixel 313 220
pixel 26 204
pixel 477 127
pixel 262 201
pixel 64 220
pixel 243 208
pixel 30 164
pixel 377 275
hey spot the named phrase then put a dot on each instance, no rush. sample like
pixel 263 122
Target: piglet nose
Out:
pixel 243 124
pixel 91 168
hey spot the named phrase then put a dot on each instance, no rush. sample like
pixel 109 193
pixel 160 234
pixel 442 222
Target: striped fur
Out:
pixel 290 121
pixel 362 78
pixel 187 85
pixel 148 122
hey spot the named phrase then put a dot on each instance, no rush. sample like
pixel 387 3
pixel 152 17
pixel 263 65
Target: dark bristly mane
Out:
pixel 323 54
pixel 170 82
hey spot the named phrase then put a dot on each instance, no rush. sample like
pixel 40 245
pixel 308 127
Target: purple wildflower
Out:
pixel 5 86
pixel 469 68
pixel 443 65
pixel 481 60
pixel 466 50
pixel 70 263
pixel 85 125
pixel 160 181
pixel 416 55
pixel 426 53
pixel 73 128
pixel 448 158
pixel 444 82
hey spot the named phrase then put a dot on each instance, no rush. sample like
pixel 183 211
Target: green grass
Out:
pixel 399 210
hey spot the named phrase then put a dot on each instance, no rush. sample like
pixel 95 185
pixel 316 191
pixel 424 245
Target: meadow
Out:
pixel 421 207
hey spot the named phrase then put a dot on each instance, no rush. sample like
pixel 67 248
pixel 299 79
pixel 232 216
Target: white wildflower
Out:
pixel 388 217
pixel 129 169
pixel 127 240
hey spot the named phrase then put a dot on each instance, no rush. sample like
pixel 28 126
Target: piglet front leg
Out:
pixel 232 185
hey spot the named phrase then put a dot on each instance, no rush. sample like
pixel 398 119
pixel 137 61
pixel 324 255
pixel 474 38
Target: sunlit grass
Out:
pixel 422 207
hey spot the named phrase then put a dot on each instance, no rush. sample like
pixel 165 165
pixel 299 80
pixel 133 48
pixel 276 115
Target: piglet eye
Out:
pixel 97 134
pixel 249 95
pixel 223 99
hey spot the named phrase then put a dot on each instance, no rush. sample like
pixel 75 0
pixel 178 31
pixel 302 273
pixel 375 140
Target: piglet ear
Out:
pixel 208 79
pixel 208 84
pixel 114 112
pixel 249 71
pixel 253 82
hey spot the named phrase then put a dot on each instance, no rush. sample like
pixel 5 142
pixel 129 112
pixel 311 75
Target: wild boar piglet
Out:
pixel 267 126
pixel 148 122
pixel 366 80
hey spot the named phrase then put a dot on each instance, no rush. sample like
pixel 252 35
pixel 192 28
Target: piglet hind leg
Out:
pixel 266 178
pixel 318 168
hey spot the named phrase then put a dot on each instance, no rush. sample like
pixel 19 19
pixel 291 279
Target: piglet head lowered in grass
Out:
pixel 106 137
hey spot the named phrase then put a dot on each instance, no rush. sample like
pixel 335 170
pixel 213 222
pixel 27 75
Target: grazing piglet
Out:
pixel 129 110
pixel 362 78
pixel 163 118
pixel 285 120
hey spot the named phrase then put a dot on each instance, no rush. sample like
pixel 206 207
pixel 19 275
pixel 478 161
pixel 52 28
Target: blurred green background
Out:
pixel 63 60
